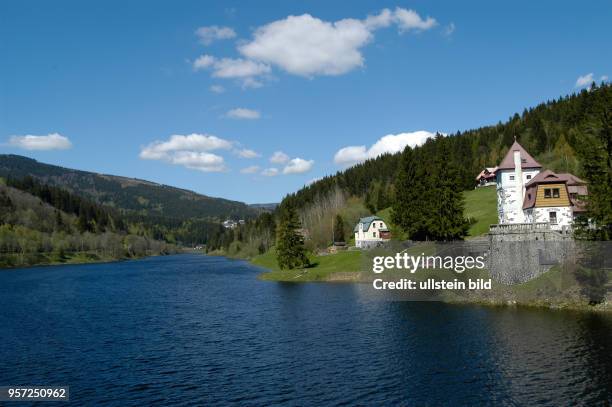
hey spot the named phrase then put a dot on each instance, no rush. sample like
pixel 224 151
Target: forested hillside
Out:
pixel 423 185
pixel 46 225
pixel 553 132
pixel 136 196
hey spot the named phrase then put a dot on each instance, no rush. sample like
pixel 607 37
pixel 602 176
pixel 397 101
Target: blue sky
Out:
pixel 103 86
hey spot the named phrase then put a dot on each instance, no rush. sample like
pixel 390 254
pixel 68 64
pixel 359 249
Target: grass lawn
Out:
pixel 481 204
pixel 322 266
pixel 396 231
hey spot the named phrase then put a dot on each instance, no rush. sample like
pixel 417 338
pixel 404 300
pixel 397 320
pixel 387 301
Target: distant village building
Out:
pixel 526 194
pixel 370 232
pixel 486 177
pixel 230 224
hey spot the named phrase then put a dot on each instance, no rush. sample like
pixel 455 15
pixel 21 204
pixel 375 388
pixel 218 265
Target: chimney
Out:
pixel 518 177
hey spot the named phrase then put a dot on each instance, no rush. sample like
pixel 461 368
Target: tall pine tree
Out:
pixel 596 154
pixel 339 229
pixel 429 203
pixel 290 250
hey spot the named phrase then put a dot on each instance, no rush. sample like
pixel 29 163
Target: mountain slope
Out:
pixel 553 132
pixel 130 194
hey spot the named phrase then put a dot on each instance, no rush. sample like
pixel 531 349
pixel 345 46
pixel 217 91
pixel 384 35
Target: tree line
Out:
pixel 423 185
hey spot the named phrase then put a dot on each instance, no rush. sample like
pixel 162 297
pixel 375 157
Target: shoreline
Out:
pixel 522 295
pixel 88 261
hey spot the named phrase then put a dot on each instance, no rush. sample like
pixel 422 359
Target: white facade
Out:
pixel 518 169
pixel 370 232
pixel 511 191
pixel 559 217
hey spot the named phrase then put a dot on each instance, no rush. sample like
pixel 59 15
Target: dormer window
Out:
pixel 551 193
pixel 524 160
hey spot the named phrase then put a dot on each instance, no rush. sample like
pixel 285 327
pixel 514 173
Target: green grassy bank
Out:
pixel 343 266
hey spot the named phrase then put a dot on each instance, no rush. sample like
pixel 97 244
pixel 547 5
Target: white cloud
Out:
pixel 246 153
pixel 212 33
pixel 391 143
pixel 230 67
pixel 239 68
pixel 203 62
pixel 307 46
pixel 298 166
pixel 449 29
pixel 279 157
pixel 201 161
pixel 351 155
pixel 243 113
pixel 270 172
pixel 191 151
pixel 603 78
pixel 408 20
pixel 53 141
pixel 584 80
pixel 217 89
pixel 250 170
pixel 312 181
pixel 251 83
pixel 380 20
pixel 177 142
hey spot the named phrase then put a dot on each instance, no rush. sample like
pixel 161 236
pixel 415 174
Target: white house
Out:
pixel 525 194
pixel 370 232
pixel 515 170
pixel 486 177
pixel 553 198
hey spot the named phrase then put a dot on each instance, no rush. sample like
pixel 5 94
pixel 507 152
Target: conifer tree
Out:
pixel 429 204
pixel 339 229
pixel 290 250
pixel 596 154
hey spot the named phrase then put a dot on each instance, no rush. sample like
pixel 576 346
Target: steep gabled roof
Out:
pixel 574 186
pixel 367 221
pixel 548 176
pixel 527 161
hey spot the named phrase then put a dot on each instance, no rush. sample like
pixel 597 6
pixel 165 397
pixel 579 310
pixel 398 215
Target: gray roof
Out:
pixel 367 221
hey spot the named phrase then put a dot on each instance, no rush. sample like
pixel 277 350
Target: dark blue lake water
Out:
pixel 195 330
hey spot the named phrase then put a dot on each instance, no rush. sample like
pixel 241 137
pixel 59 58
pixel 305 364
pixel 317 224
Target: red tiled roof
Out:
pixel 547 176
pixel 527 161
pixel 573 183
pixel 488 172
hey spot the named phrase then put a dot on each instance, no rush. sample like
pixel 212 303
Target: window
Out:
pixel 552 217
pixel 528 176
pixel 551 193
pixel 524 160
pixel 511 177
pixel 373 234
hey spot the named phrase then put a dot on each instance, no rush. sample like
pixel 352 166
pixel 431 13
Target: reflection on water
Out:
pixel 198 330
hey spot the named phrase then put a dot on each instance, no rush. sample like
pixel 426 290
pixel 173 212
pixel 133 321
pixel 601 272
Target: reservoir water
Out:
pixel 196 330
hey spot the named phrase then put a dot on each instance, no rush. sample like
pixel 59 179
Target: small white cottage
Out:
pixel 370 232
